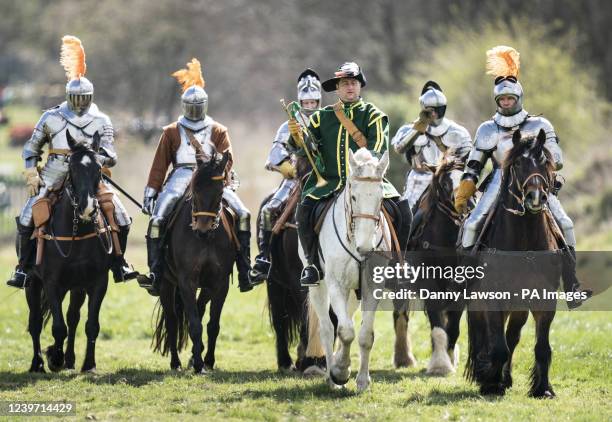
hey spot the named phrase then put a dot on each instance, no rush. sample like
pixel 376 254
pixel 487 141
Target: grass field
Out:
pixel 134 383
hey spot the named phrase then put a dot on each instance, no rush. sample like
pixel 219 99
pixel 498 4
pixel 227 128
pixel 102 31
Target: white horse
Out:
pixel 353 226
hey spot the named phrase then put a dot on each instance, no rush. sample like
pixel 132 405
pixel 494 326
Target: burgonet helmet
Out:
pixel 79 90
pixel 433 97
pixel 194 100
pixel 503 63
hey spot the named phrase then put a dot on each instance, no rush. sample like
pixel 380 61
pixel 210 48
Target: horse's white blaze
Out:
pixel 341 271
pixel 85 161
pixel 440 363
pixel 88 209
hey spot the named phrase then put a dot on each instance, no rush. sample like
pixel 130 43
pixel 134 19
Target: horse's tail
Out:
pixel 315 347
pixel 286 303
pixel 160 342
pixel 476 340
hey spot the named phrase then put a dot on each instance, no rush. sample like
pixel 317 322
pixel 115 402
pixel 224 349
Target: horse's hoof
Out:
pixel 492 390
pixel 314 371
pixel 51 360
pixel 440 370
pixel 363 383
pixel 287 370
pixel 177 368
pixel 38 367
pixel 209 368
pixel 334 386
pixel 91 370
pixel 338 381
pixel 405 361
pixel 546 394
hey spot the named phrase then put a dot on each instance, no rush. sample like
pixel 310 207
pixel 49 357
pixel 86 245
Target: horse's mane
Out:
pixel 432 193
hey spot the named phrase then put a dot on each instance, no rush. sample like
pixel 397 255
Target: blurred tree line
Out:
pixel 252 51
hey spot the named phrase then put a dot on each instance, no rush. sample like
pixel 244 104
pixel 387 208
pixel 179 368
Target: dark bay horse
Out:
pixel 520 230
pixel 287 299
pixel 76 266
pixel 199 255
pixel 432 243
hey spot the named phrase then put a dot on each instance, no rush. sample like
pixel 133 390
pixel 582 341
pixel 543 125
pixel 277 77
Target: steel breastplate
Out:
pixel 186 153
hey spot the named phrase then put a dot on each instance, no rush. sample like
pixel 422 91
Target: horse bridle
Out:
pixel 521 188
pixel 353 216
pixel 215 214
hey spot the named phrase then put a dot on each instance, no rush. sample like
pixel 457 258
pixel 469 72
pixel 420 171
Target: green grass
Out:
pixel 134 383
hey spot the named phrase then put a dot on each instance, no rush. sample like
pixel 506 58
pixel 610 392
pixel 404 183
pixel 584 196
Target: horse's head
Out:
pixel 529 171
pixel 206 191
pixel 365 190
pixel 84 175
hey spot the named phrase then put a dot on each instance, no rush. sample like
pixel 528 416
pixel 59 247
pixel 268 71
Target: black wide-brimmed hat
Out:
pixel 346 70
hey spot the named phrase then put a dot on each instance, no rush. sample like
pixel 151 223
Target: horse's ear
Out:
pixel 95 146
pixel 538 148
pixel 516 137
pixel 383 163
pixel 352 162
pixel 71 142
pixel 224 159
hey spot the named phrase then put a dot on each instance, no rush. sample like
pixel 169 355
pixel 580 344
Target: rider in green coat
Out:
pixel 332 139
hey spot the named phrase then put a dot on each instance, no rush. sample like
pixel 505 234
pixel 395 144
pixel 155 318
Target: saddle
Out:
pixel 43 208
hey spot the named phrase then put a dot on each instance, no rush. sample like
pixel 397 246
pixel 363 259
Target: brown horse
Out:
pixel 199 254
pixel 520 230
pixel 432 242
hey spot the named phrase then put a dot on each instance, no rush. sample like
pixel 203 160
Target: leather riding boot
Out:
pixel 122 271
pixel 151 281
pixel 26 250
pixel 571 284
pixel 261 269
pixel 243 261
pixel 311 274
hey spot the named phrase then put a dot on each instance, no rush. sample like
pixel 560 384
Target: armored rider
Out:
pixel 175 148
pixel 423 142
pixel 80 116
pixel 333 140
pixel 493 140
pixel 281 159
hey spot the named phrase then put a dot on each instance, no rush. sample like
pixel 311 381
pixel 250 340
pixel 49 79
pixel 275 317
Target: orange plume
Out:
pixel 190 76
pixel 503 61
pixel 72 57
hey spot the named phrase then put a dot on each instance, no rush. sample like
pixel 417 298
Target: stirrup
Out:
pixel 255 275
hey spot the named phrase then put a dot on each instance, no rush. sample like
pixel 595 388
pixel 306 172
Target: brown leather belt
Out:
pixel 59 151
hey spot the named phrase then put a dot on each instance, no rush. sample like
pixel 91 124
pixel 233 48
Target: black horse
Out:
pixel 79 266
pixel 199 255
pixel 521 229
pixel 432 243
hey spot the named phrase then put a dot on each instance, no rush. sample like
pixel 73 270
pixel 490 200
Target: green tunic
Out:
pixel 333 142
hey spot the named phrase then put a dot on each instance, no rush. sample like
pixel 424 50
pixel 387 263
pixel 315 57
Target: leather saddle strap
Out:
pixel 393 235
pixel 194 143
pixel 348 124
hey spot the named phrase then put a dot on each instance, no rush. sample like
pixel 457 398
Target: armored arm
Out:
pixel 33 148
pixel 404 138
pixel 552 143
pixel 107 156
pixel 280 148
pixel 481 152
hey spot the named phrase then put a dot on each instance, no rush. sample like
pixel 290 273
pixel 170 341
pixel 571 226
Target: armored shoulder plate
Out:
pixel 456 136
pixel 279 151
pixel 487 136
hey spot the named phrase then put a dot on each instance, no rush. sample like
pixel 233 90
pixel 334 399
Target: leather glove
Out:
pixel 464 192
pixel 106 171
pixel 148 203
pixel 33 182
pixel 424 120
pixel 287 169
pixel 296 131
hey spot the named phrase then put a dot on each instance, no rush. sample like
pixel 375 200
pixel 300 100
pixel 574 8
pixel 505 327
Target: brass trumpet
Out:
pixel 302 144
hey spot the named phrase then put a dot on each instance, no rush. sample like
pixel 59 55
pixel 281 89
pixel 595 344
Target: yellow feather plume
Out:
pixel 503 61
pixel 72 57
pixel 190 76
